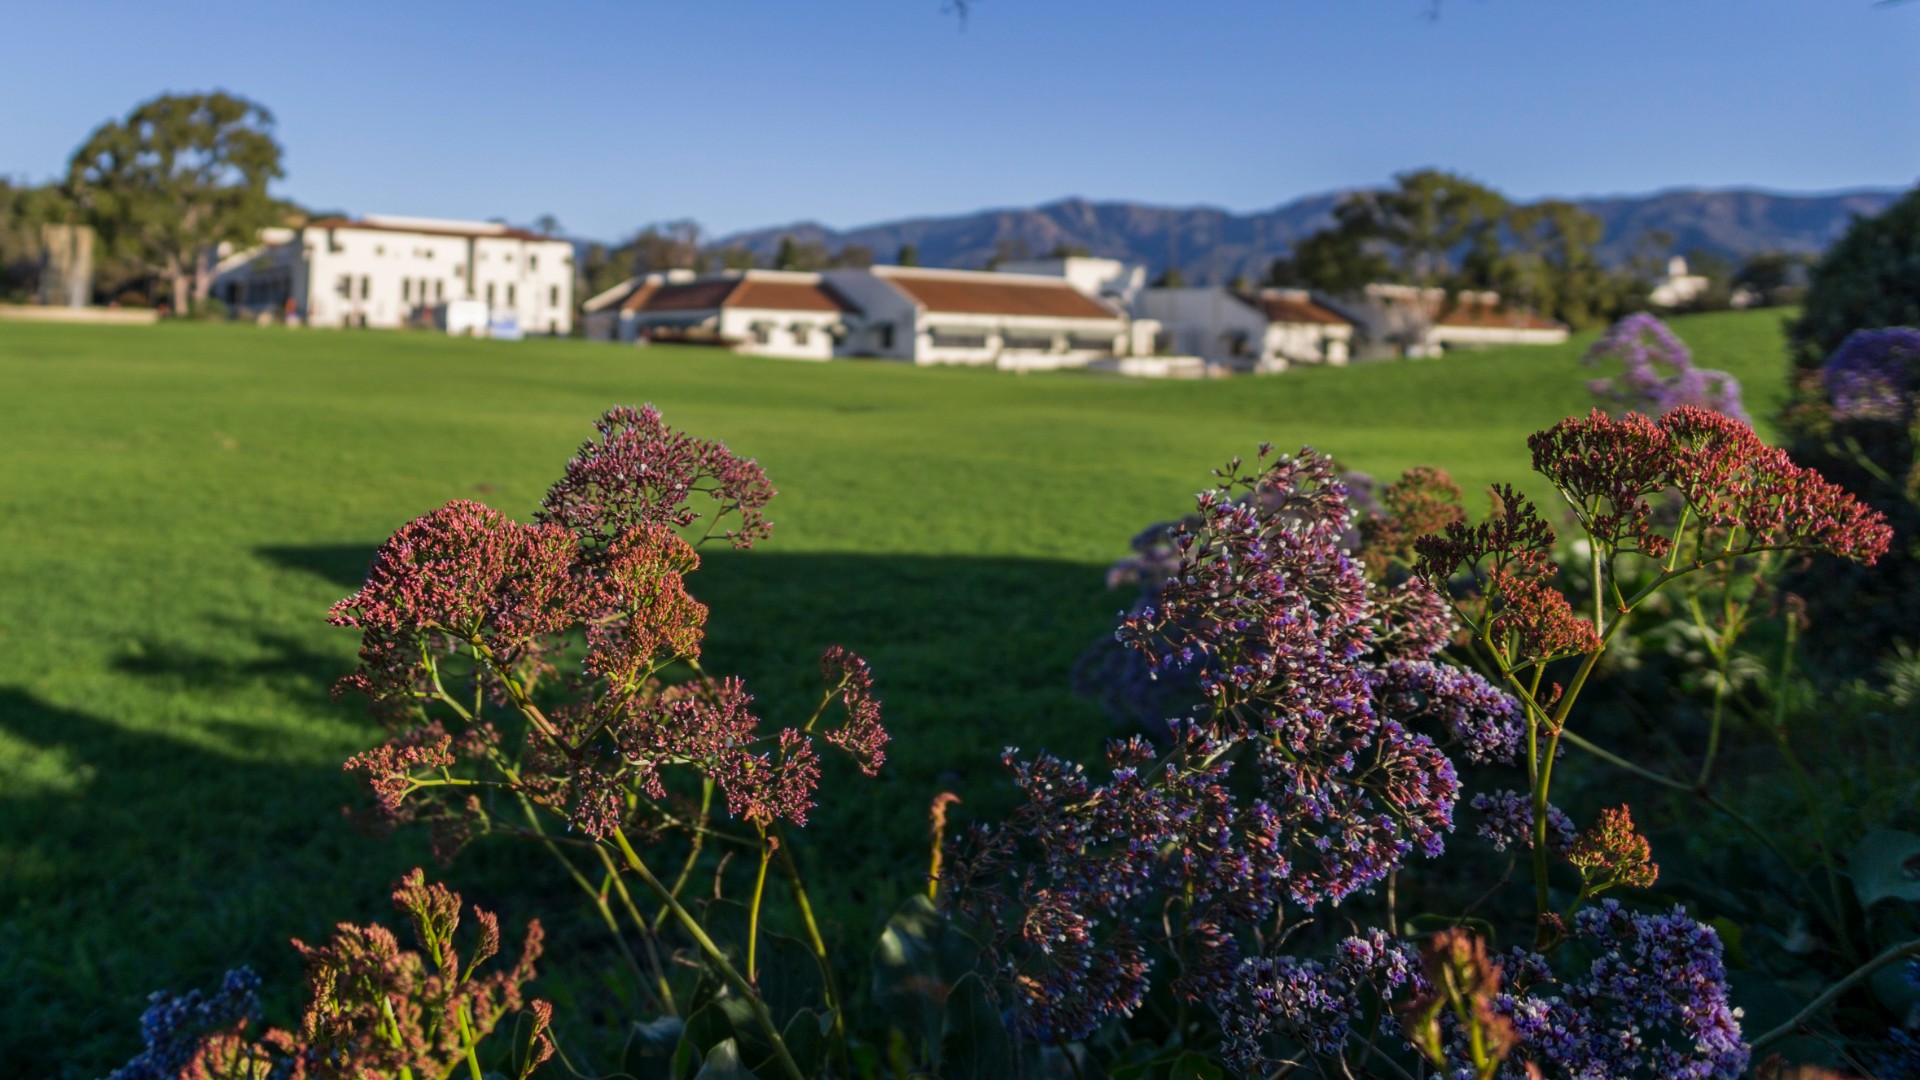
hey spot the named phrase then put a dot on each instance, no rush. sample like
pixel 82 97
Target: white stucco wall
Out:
pixel 791 335
pixel 385 277
pixel 1204 321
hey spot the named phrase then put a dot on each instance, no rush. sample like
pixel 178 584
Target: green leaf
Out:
pixel 806 1039
pixel 975 1045
pixel 707 1028
pixel 1885 865
pixel 1192 1066
pixel 908 984
pixel 723 1063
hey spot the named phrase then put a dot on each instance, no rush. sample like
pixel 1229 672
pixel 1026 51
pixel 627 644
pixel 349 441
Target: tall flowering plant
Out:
pixel 1321 759
pixel 544 680
pixel 1657 372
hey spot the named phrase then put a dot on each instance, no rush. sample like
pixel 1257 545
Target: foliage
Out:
pixel 374 1010
pixel 1868 280
pixel 1659 375
pixel 523 670
pixel 239 479
pixel 1435 229
pixel 181 175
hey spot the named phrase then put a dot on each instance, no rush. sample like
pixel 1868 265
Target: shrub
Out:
pixel 1868 280
pixel 1209 901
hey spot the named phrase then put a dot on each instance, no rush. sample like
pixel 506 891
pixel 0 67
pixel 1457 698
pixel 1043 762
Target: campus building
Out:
pixel 768 312
pixel 1014 321
pixel 386 271
pixel 1268 330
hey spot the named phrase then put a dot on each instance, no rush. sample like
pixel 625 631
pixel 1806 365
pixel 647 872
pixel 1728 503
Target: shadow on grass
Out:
pixel 162 855
pixel 135 860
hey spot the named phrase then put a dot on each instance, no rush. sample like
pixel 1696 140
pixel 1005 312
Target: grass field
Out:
pixel 178 506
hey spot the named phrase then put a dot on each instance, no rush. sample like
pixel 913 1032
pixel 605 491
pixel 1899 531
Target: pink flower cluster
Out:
pixel 642 472
pixel 1744 495
pixel 465 590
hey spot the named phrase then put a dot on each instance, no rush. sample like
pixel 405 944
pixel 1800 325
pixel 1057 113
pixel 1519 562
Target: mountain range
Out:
pixel 1210 245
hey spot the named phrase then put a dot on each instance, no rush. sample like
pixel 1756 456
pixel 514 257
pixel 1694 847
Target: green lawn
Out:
pixel 178 506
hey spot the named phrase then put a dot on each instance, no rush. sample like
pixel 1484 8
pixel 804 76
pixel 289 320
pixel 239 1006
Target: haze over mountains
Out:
pixel 1214 245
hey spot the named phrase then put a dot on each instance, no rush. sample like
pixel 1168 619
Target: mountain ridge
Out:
pixel 1214 244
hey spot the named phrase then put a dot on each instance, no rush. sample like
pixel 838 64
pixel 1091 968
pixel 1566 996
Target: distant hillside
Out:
pixel 1213 245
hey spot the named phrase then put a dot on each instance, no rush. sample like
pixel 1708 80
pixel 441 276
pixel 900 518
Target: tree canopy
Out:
pixel 179 176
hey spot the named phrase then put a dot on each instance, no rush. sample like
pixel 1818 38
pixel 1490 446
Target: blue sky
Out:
pixel 742 113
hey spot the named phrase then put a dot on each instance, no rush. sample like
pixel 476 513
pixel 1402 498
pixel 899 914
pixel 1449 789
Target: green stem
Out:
pixel 693 853
pixel 1860 974
pixel 646 932
pixel 828 982
pixel 753 913
pixel 714 956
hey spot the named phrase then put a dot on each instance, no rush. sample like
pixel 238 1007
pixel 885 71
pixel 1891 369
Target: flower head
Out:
pixel 1658 374
pixel 642 472
pixel 1874 374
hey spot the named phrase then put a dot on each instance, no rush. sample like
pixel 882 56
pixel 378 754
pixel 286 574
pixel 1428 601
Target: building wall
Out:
pixel 1013 342
pixel 1205 321
pixel 1308 343
pixel 1477 337
pixel 349 276
pixel 792 335
pixel 885 326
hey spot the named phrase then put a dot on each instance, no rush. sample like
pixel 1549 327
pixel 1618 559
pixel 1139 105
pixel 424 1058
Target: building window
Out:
pixel 406 290
pixel 489 294
pixel 762 332
pixel 959 338
pixel 1029 342
pixel 801 332
pixel 344 286
pixel 533 262
pixel 439 290
pixel 366 286
pixel 379 249
pixel 553 296
pixel 512 300
pixel 1089 343
pixel 883 336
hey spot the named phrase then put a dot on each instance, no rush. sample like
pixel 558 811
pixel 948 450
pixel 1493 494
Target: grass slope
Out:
pixel 178 505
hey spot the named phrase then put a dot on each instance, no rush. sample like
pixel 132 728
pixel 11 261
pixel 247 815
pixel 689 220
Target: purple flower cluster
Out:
pixel 174 1025
pixel 1483 719
pixel 1653 1002
pixel 1314 1004
pixel 1874 374
pixel 1659 375
pixel 1298 780
pixel 1509 822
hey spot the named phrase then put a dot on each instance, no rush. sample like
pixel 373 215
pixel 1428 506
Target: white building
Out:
pixel 1404 320
pixel 1015 321
pixel 1264 331
pixel 1679 287
pixel 768 312
pixel 384 271
pixel 1109 280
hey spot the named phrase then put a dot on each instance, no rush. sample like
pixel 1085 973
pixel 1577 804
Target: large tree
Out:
pixel 1870 279
pixel 181 175
pixel 1431 228
pixel 1551 265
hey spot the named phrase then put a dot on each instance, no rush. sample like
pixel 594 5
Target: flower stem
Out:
pixel 713 954
pixel 1860 974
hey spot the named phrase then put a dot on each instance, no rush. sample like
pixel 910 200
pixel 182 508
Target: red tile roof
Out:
pixel 747 291
pixel 1482 316
pixel 787 296
pixel 982 294
pixel 1282 308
